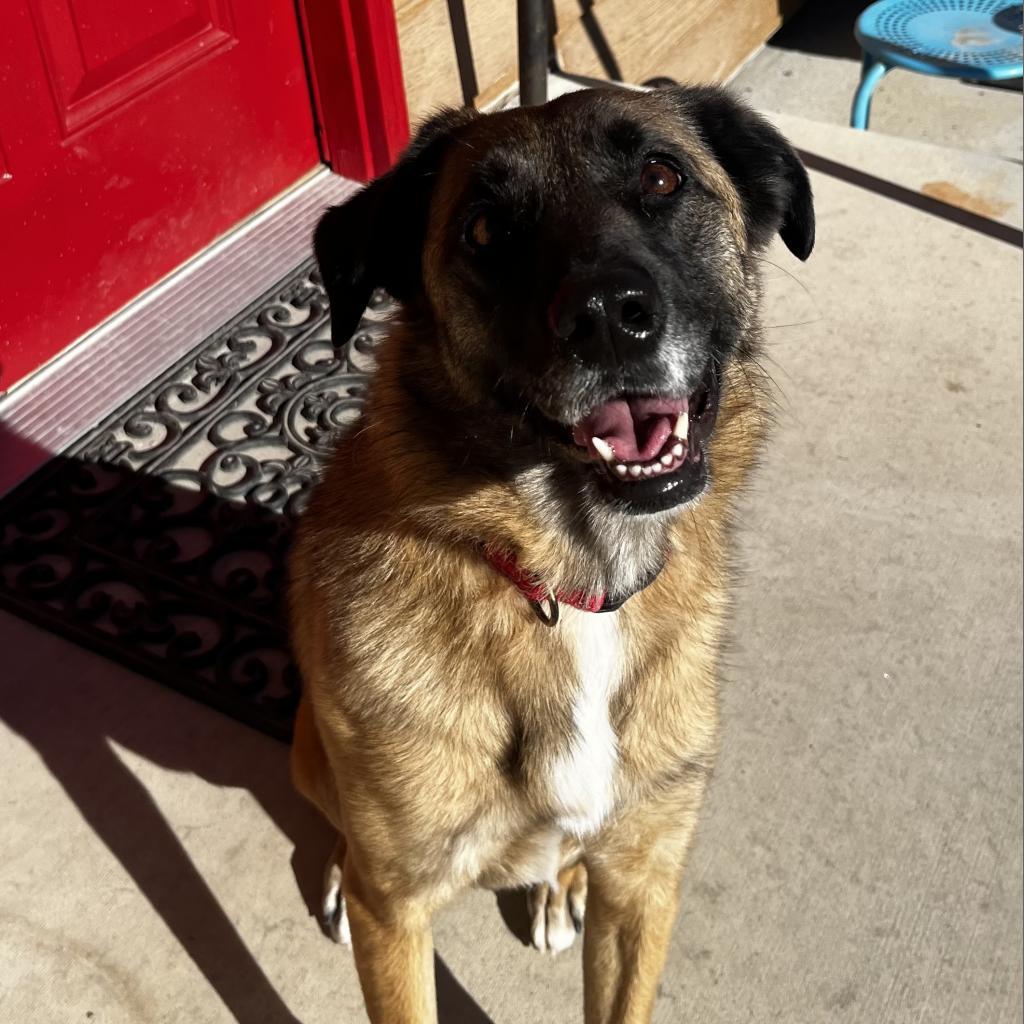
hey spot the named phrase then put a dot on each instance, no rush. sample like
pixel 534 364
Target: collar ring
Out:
pixel 546 609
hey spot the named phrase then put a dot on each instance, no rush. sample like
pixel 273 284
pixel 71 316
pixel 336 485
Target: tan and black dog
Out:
pixel 508 592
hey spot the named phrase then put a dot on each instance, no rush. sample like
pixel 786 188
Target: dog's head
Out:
pixel 587 269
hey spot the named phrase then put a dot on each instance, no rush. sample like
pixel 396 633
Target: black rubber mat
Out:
pixel 159 538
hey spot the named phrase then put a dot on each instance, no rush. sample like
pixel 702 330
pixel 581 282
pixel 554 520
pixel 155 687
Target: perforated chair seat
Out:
pixel 968 39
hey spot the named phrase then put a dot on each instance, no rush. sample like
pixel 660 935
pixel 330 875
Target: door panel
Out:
pixel 96 64
pixel 133 135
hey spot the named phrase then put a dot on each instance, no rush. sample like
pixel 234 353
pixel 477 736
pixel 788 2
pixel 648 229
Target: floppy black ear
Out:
pixel 768 175
pixel 375 239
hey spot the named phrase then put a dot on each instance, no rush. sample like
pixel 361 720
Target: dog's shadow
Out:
pixel 73 724
pixel 515 912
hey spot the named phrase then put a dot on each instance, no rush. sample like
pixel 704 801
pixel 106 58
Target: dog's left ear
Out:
pixel 767 173
pixel 375 240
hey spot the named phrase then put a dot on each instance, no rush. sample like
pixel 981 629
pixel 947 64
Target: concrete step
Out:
pixel 793 79
pixel 982 184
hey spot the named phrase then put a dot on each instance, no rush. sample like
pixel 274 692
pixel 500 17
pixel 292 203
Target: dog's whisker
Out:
pixel 795 323
pixel 787 273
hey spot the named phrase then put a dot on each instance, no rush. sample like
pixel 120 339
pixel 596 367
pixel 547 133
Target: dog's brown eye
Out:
pixel 480 232
pixel 658 179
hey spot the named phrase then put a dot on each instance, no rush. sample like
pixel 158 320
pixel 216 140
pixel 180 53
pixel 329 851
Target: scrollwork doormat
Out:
pixel 159 538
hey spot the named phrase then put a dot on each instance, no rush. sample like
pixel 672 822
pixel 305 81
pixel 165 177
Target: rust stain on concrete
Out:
pixel 947 192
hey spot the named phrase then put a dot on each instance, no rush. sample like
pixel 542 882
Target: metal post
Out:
pixel 533 51
pixel 463 51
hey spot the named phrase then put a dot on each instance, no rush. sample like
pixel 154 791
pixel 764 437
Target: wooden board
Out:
pixel 429 64
pixel 689 40
pixel 694 41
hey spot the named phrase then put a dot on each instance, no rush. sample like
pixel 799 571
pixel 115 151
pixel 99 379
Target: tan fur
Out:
pixel 434 700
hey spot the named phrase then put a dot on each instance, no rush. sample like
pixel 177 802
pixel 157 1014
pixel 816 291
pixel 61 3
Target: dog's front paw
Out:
pixel 556 911
pixel 333 915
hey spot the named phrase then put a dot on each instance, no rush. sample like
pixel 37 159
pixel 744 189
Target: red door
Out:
pixel 132 133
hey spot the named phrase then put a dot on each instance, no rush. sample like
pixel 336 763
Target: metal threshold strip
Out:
pixel 47 412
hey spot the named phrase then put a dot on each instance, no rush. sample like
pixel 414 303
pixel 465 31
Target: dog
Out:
pixel 508 591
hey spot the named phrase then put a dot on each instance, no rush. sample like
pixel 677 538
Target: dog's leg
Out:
pixel 333 910
pixel 311 772
pixel 634 873
pixel 576 891
pixel 556 911
pixel 394 952
pixel 312 777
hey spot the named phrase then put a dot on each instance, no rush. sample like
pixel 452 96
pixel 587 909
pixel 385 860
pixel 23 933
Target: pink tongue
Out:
pixel 636 428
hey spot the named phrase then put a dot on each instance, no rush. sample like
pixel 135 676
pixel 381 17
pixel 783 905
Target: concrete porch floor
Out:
pixel 860 856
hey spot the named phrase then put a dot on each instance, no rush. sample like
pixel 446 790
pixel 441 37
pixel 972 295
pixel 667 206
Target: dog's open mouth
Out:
pixel 650 453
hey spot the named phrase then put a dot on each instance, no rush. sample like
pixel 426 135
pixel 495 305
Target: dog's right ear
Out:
pixel 375 239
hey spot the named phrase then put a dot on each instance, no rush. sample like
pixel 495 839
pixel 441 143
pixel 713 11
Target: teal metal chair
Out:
pixel 979 40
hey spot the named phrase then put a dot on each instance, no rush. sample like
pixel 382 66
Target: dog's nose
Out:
pixel 610 318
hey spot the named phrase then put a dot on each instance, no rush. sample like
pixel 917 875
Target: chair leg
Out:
pixel 871 74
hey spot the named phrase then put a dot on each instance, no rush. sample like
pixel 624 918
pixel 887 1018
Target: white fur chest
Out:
pixel 583 775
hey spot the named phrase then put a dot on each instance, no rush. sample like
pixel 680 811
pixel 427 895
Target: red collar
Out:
pixel 537 593
pixel 545 602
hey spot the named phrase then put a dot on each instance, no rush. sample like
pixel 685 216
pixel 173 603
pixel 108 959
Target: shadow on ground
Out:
pixel 822 27
pixel 72 731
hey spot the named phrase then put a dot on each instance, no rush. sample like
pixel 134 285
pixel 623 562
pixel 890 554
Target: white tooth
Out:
pixel 603 448
pixel 647 471
pixel 634 470
pixel 677 450
pixel 666 459
pixel 657 468
pixel 682 426
pixel 621 469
